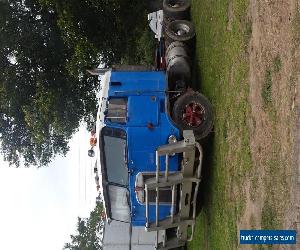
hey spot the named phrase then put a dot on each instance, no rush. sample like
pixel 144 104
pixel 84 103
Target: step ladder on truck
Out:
pixel 148 125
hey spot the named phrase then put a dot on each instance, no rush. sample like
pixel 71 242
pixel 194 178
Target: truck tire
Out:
pixel 177 9
pixel 192 111
pixel 180 30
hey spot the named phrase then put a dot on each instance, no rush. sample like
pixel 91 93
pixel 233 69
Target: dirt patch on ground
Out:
pixel 274 79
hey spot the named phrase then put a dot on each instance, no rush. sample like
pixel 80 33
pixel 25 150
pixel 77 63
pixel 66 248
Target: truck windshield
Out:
pixel 119 203
pixel 114 151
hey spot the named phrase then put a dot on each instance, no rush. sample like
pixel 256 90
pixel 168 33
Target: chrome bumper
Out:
pixel 185 178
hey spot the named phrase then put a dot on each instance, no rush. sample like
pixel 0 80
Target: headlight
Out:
pixel 172 139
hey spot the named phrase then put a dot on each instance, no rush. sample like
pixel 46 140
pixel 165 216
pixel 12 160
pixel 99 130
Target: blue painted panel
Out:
pixel 137 83
pixel 145 92
pixel 143 110
pixel 142 144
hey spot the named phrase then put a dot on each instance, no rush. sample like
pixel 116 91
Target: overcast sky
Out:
pixel 39 207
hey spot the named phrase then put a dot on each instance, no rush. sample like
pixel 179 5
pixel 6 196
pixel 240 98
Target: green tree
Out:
pixel 45 48
pixel 41 103
pixel 89 232
pixel 111 28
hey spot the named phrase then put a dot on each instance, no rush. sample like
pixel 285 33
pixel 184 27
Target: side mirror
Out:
pixel 91 153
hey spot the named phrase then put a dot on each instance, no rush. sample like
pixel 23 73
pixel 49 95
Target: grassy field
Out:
pixel 221 70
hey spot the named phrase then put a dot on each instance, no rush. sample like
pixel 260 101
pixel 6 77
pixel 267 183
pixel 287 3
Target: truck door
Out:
pixel 143 111
pixel 142 91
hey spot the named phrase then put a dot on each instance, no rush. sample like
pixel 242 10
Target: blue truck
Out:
pixel 148 125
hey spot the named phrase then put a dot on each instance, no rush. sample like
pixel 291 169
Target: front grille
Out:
pixel 165 195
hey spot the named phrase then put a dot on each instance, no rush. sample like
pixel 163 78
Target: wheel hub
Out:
pixel 193 114
pixel 182 30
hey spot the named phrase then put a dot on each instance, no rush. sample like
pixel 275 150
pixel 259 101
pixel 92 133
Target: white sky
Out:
pixel 39 207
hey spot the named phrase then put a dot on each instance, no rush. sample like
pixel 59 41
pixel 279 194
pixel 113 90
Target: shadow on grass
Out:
pixel 208 149
pixel 206 182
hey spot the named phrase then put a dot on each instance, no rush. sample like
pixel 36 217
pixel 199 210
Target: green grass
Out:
pixel 277 64
pixel 276 184
pixel 266 91
pixel 253 187
pixel 252 221
pixel 269 217
pixel 221 70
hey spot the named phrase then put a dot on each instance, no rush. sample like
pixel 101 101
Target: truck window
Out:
pixel 117 110
pixel 119 203
pixel 115 156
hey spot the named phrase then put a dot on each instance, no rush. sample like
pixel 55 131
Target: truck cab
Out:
pixel 131 125
pixel 146 160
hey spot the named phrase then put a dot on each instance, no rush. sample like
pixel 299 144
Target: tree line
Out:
pixel 45 48
pixel 89 232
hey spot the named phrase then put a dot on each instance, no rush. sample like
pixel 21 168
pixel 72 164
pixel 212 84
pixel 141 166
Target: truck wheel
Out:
pixel 192 111
pixel 177 9
pixel 180 30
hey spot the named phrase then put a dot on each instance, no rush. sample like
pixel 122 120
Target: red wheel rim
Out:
pixel 193 114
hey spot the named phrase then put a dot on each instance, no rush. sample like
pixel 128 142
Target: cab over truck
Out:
pixel 148 126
